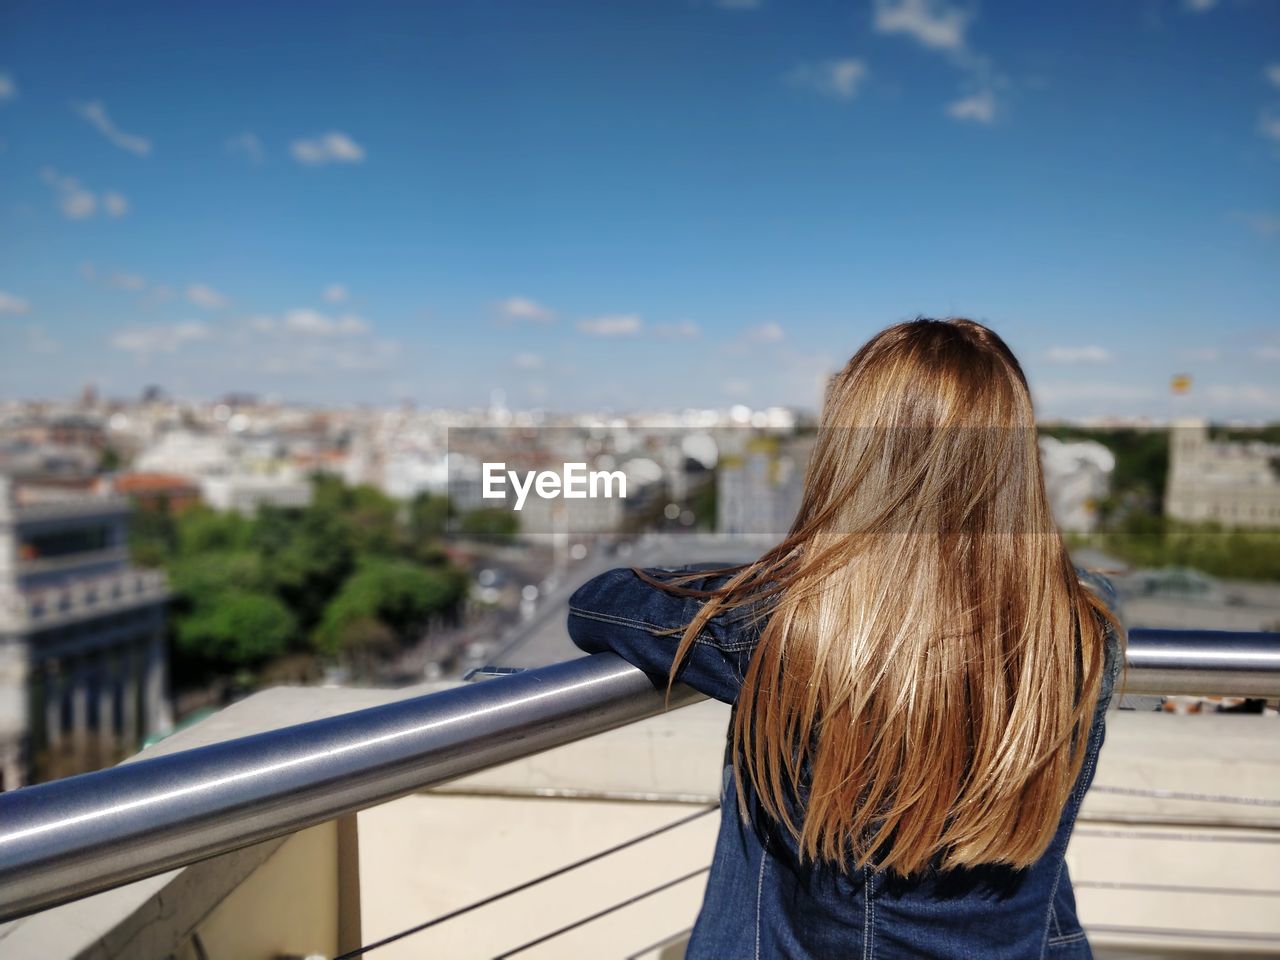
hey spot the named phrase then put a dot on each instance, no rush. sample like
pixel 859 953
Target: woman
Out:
pixel 919 676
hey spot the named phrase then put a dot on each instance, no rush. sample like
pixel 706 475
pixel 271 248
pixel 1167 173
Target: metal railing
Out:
pixel 67 839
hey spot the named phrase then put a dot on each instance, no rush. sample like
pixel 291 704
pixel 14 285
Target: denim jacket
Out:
pixel 760 901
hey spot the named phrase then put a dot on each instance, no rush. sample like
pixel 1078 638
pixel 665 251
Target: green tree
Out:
pixel 236 628
pixel 427 521
pixel 369 514
pixel 372 518
pixel 493 523
pixel 196 576
pixel 153 535
pixel 314 564
pixel 397 593
pixel 202 529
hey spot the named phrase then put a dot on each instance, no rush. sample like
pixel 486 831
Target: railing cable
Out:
pixel 520 887
pixel 1159 794
pixel 1245 836
pixel 1174 888
pixel 604 913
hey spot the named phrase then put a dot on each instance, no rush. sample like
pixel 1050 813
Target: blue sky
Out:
pixel 651 204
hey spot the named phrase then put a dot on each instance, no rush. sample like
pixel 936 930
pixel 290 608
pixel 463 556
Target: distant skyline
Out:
pixel 657 205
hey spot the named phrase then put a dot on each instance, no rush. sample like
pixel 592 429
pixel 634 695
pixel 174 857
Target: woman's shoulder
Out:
pixel 1102 587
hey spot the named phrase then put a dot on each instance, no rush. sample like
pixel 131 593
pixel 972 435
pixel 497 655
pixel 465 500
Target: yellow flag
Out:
pixel 1180 383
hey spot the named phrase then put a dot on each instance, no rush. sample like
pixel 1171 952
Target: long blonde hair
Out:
pixel 930 663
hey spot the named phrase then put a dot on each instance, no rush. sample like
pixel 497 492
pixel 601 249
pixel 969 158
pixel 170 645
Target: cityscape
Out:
pixel 338 349
pixel 164 557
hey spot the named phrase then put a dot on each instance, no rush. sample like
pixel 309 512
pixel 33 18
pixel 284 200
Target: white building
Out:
pixel 82 649
pixel 189 454
pixel 1077 476
pixel 1233 483
pixel 759 489
pixel 247 492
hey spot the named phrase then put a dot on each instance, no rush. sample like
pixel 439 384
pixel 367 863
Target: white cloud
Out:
pixel 1267 352
pixel 937 26
pixel 115 204
pixel 325 357
pixel 9 303
pixel 1076 391
pixel 1252 396
pixel 204 296
pixel 313 323
pixel 1089 354
pixel 246 145
pixel 979 107
pixel 1269 124
pixel 96 113
pixel 8 89
pixel 39 342
pixel 166 338
pixel 1272 74
pixel 159 294
pixel 835 78
pixel 335 293
pixel 332 147
pixel 77 202
pixel 613 325
pixel 684 330
pixel 127 281
pixel 305 342
pixel 12 304
pixel 1265 225
pixel 522 308
pixel 78 205
pixel 528 361
pixel 942 27
pixel 1201 354
pixel 766 333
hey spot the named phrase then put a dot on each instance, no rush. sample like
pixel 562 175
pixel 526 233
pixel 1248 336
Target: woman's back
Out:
pixel 762 899
pixel 918 674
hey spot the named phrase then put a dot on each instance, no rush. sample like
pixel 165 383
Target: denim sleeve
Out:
pixel 1105 590
pixel 618 611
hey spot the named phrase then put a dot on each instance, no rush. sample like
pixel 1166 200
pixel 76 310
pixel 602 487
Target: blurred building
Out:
pixel 1236 484
pixel 189 454
pixel 247 492
pixel 759 488
pixel 1077 476
pixel 82 648
pixel 162 492
pixel 230 472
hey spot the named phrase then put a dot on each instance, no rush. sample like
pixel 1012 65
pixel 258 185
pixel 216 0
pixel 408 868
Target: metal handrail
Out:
pixel 1205 662
pixel 69 838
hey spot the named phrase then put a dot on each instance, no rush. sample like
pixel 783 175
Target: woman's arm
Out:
pixel 618 611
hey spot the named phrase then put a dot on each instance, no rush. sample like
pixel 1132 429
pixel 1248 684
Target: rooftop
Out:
pixel 559 813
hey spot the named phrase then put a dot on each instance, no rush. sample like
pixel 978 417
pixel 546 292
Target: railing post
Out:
pixel 350 932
